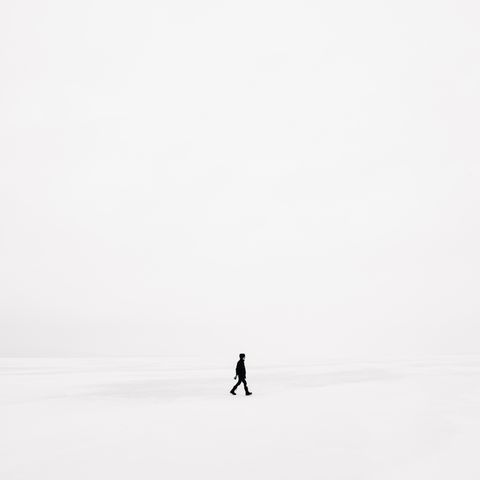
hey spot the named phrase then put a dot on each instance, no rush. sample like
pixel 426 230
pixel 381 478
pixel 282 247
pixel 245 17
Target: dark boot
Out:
pixel 248 393
pixel 232 392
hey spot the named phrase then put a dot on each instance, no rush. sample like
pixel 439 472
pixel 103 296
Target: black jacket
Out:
pixel 240 370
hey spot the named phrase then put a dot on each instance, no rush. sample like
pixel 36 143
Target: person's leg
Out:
pixel 236 385
pixel 244 380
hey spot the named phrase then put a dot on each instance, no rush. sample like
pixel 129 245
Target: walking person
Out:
pixel 241 373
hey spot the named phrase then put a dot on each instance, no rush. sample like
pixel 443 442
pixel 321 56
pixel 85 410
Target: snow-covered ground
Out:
pixel 153 418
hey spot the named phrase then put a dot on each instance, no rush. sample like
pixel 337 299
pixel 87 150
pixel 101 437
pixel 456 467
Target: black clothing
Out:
pixel 240 380
pixel 240 370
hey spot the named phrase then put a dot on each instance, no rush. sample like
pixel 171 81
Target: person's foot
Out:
pixel 248 393
pixel 232 392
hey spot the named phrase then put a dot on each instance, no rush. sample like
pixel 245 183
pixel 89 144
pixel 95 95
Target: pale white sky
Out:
pixel 268 176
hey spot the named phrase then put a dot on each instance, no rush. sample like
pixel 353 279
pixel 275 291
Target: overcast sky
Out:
pixel 295 178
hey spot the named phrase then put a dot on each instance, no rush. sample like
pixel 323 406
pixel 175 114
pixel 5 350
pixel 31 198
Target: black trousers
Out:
pixel 241 380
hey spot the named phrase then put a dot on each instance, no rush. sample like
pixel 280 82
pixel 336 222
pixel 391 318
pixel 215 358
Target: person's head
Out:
pixel 242 356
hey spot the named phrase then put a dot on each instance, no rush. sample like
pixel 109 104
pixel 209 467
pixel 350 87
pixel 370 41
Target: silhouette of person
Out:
pixel 241 373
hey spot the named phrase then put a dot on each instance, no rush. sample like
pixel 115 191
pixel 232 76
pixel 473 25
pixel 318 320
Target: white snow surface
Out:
pixel 158 418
